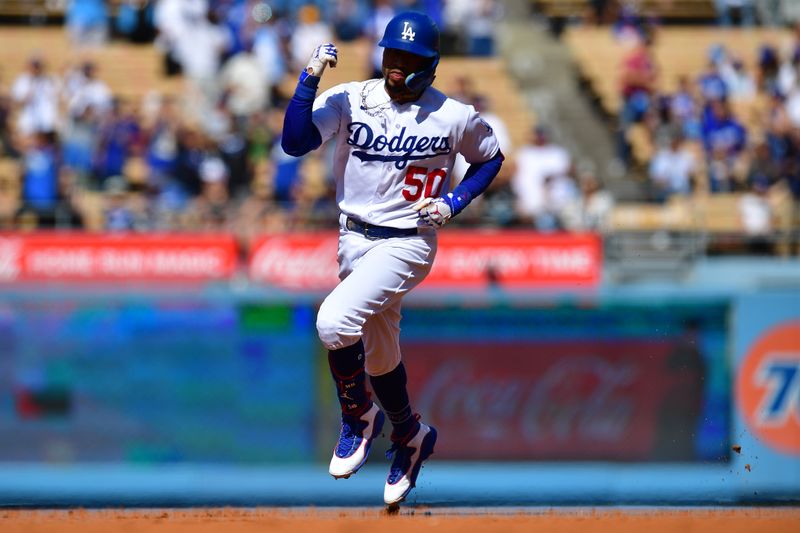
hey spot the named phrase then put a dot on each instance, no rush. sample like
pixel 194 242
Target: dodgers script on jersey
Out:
pixel 391 155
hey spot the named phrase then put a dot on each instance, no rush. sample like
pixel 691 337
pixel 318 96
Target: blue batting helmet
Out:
pixel 418 34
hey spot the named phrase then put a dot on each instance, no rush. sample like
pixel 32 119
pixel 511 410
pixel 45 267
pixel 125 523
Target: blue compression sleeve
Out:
pixel 300 135
pixel 476 180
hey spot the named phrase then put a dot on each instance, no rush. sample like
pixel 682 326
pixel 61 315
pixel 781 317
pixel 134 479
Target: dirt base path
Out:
pixel 418 520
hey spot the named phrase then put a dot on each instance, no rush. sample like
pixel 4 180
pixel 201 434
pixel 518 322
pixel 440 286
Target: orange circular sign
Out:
pixel 768 388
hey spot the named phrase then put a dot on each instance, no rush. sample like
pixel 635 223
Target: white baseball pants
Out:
pixel 375 275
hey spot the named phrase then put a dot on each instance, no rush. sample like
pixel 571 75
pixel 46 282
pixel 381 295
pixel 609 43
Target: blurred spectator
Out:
pixel 9 192
pixel 684 108
pixel 87 22
pixel 758 219
pixel 79 138
pixel 768 68
pixel 637 81
pixel 35 95
pixel 535 162
pixel 778 126
pixel 267 47
pixel 84 93
pixel 600 11
pixel 245 84
pixel 211 210
pixel 672 170
pixel 232 148
pixel 724 140
pixel 790 9
pixel 590 210
pixel 560 191
pixel 260 134
pixel 117 216
pixel 480 27
pixel 739 83
pixel 134 20
pixel 770 12
pixel 307 35
pixel 712 84
pixel 177 21
pixel 6 143
pixel 348 19
pixel 40 177
pixel 201 55
pixel 191 153
pixel 793 107
pixel 788 72
pixel 727 8
pixel 660 121
pixel 120 133
pixel 721 171
pixel 259 212
pixel 763 168
pixel 161 150
pixel 382 12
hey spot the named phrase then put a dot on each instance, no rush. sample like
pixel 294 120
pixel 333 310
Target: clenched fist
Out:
pixel 435 211
pixel 324 55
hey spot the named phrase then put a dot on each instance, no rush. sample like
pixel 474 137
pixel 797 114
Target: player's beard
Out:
pixel 398 91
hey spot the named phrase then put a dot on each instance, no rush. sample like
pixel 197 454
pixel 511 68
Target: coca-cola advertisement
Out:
pixel 99 257
pixel 574 383
pixel 465 259
pixel 575 400
pixel 296 261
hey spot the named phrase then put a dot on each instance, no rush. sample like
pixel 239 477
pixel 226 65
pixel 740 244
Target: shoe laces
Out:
pixel 349 434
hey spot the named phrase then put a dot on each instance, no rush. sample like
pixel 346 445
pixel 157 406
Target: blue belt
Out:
pixel 378 232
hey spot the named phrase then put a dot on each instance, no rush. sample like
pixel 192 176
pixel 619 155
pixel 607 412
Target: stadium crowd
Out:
pixel 208 158
pixel 735 127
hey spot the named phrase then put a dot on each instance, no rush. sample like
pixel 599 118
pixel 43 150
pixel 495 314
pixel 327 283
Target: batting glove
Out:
pixel 323 55
pixel 435 211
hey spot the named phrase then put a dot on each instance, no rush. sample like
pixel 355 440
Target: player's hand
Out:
pixel 434 211
pixel 323 55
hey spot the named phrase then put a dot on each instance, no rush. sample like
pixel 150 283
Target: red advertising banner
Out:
pixel 296 261
pixel 464 258
pixel 101 257
pixel 570 400
pixel 516 258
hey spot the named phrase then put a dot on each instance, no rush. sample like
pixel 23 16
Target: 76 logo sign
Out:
pixel 768 387
pixel 781 379
pixel 419 181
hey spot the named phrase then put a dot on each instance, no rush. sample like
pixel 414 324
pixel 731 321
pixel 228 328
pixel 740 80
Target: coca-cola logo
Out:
pixel 585 399
pixel 10 259
pixel 296 265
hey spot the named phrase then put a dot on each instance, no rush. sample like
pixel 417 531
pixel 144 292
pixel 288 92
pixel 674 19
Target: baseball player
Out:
pixel 396 139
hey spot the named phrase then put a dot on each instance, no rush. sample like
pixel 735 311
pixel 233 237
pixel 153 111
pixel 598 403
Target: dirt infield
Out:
pixel 259 520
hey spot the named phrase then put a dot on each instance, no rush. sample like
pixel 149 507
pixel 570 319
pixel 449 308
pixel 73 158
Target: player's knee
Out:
pixel 326 330
pixel 333 330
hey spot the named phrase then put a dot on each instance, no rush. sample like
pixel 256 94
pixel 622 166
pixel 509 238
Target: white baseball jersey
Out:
pixel 389 155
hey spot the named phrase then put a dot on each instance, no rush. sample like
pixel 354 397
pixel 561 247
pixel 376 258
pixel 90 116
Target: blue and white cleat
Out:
pixel 355 439
pixel 409 454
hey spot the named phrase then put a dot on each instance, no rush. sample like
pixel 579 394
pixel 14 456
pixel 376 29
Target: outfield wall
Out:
pixel 220 395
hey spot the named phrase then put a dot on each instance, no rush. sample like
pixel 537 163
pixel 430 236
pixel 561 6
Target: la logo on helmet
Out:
pixel 408 33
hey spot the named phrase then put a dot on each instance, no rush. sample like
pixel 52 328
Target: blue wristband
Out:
pixel 307 80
